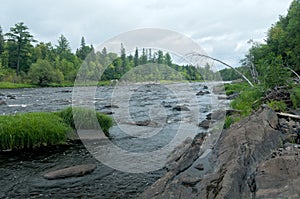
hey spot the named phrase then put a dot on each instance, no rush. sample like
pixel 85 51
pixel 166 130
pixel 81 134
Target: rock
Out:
pixel 146 123
pixel 11 96
pixel 199 167
pixel 181 108
pixel 74 171
pixel 107 112
pixel 111 106
pixel 2 102
pixel 203 93
pixel 1 94
pixel 234 159
pixel 205 124
pixel 205 87
pixel 278 178
pixel 291 138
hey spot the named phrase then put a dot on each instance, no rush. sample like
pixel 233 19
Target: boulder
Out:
pixel 203 93
pixel 2 102
pixel 74 171
pixel 181 108
pixel 11 96
pixel 205 124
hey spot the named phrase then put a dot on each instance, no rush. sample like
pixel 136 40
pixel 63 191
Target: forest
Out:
pixel 26 60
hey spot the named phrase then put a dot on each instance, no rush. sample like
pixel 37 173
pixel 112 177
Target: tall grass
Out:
pixel 9 85
pixel 85 119
pixel 31 130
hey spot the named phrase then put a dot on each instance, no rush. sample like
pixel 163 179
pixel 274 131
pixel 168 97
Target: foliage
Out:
pixel 248 100
pixel 42 73
pixel 281 50
pixel 9 85
pixel 85 119
pixel 31 130
pixel 277 105
pixel 235 88
pixel 20 38
pixel 295 97
pixel 229 120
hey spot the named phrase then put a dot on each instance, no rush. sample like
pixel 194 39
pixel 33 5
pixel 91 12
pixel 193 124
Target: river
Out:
pixel 167 109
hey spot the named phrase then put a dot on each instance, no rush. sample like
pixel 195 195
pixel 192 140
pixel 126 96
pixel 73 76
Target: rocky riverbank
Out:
pixel 257 157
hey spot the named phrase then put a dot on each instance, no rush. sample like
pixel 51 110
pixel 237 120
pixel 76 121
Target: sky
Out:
pixel 221 27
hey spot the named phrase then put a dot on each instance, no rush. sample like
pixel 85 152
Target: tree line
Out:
pixel 275 62
pixel 24 59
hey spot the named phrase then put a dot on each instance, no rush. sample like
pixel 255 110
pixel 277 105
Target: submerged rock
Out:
pixel 181 108
pixel 2 102
pixel 74 171
pixel 203 93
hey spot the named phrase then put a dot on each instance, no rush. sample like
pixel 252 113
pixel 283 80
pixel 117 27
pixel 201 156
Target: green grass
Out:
pixel 248 100
pixel 31 130
pixel 9 85
pixel 34 130
pixel 85 119
pixel 236 88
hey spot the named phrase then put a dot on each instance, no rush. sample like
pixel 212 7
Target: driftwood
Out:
pixel 289 115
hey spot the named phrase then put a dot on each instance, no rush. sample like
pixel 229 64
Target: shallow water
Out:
pixel 21 173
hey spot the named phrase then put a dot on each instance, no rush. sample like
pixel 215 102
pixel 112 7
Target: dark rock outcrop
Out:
pixel 74 171
pixel 231 169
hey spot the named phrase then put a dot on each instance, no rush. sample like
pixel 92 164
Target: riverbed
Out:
pixel 147 118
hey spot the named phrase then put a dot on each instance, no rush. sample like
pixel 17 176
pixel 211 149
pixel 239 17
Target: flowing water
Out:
pixel 147 118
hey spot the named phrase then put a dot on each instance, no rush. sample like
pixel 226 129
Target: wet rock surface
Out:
pixel 75 171
pixel 247 162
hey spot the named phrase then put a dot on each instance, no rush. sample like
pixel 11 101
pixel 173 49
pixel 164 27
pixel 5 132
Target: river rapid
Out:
pixel 147 118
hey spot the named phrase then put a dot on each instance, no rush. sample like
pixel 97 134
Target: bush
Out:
pixel 277 105
pixel 84 118
pixel 235 88
pixel 31 130
pixel 248 100
pixel 295 97
pixel 229 120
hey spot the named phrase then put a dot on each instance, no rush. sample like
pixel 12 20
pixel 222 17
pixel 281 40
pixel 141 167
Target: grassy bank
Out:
pixel 250 99
pixel 34 130
pixel 9 85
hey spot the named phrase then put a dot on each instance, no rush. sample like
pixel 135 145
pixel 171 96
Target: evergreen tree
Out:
pixel 136 57
pixel 21 37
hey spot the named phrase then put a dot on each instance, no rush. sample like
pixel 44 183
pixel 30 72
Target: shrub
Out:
pixel 31 130
pixel 235 88
pixel 229 120
pixel 277 105
pixel 295 97
pixel 85 119
pixel 248 100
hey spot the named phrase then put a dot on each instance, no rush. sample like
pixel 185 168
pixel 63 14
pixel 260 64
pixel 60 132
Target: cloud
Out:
pixel 221 27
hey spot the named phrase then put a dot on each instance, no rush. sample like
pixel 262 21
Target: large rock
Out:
pixel 2 102
pixel 229 171
pixel 74 171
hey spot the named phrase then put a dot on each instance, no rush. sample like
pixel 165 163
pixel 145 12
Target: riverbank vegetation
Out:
pixel 273 67
pixel 30 62
pixel 39 129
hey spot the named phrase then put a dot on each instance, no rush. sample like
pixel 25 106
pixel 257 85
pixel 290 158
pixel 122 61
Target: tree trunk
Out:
pixel 18 61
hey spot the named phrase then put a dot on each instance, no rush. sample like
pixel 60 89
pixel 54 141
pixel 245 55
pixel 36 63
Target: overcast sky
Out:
pixel 221 27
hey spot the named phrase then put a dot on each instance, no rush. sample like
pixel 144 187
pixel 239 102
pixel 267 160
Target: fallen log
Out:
pixel 289 115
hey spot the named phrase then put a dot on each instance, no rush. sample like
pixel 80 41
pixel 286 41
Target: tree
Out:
pixel 1 41
pixel 84 50
pixel 20 35
pixel 136 58
pixel 63 48
pixel 43 73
